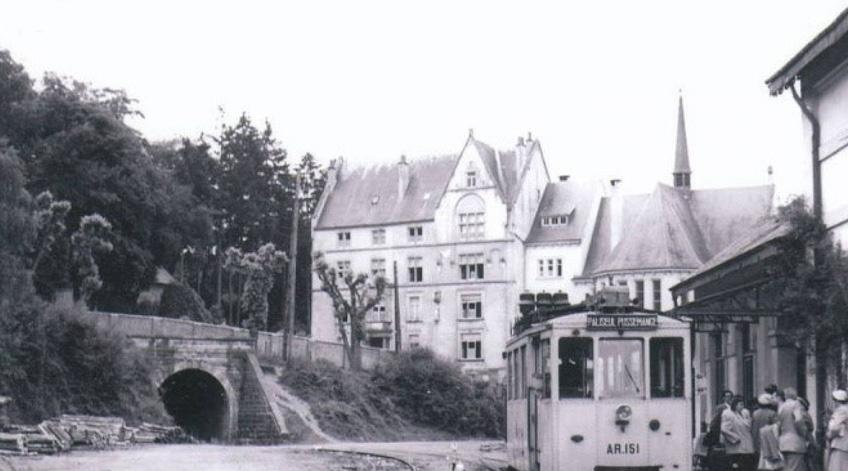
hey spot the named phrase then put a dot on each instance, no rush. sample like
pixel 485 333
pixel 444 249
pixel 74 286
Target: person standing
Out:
pixel 764 415
pixel 792 430
pixel 736 433
pixel 716 457
pixel 837 433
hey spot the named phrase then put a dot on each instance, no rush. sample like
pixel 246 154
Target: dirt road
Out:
pixel 425 456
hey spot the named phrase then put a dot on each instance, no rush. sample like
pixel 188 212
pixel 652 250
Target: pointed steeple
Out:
pixel 682 172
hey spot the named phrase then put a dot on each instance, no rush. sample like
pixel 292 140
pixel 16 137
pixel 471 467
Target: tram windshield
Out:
pixel 620 368
pixel 575 367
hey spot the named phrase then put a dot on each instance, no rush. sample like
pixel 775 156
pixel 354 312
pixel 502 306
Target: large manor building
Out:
pixel 470 232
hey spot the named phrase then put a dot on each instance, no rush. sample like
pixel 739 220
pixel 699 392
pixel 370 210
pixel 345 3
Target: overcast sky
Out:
pixel 596 82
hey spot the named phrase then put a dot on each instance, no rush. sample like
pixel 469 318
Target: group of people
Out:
pixel 778 435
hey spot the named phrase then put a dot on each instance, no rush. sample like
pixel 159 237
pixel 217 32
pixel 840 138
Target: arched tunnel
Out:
pixel 198 403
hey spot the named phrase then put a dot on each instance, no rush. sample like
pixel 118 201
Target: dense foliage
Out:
pixel 235 188
pixel 51 360
pixel 412 392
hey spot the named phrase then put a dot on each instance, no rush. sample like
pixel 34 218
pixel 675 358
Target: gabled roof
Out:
pixel 757 235
pixel 369 195
pixel 829 36
pixel 664 234
pixel 674 228
pixel 571 197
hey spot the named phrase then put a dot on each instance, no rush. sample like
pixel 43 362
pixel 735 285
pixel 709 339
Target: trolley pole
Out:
pixel 292 266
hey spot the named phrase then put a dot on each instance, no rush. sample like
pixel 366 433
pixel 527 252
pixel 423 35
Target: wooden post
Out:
pixel 292 266
pixel 397 308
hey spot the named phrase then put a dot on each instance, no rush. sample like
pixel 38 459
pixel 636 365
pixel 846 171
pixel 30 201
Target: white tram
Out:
pixel 600 388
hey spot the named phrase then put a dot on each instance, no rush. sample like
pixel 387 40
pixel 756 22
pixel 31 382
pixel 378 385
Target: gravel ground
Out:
pixel 425 456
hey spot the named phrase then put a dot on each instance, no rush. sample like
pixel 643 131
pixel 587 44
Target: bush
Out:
pixel 61 363
pixel 180 301
pixel 433 392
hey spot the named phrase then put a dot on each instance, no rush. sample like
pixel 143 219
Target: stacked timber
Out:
pixel 160 434
pixel 13 443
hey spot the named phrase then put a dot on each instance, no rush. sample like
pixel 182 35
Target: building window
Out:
pixel 471 347
pixel 413 341
pixel 413 308
pixel 416 271
pixel 378 236
pixel 575 367
pixel 667 367
pixel 471 225
pixel 343 239
pixel 343 267
pixel 749 351
pixel 718 366
pixel 640 292
pixel 416 233
pixel 471 266
pixel 471 178
pixel 378 267
pixel 379 342
pixel 657 285
pixel 378 314
pixel 550 268
pixel 559 220
pixel 471 306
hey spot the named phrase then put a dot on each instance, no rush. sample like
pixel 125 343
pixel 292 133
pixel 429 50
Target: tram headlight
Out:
pixel 623 413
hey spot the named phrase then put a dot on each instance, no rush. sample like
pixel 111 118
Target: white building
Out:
pixel 470 232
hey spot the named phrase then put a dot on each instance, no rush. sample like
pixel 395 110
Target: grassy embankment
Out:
pixel 415 396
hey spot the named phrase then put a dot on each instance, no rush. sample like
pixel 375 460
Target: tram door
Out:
pixel 533 428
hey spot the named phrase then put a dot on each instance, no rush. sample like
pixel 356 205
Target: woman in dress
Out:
pixel 837 433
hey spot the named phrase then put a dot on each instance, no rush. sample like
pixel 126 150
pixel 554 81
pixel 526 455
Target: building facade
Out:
pixel 470 232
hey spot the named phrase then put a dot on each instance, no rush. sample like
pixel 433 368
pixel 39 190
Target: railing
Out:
pixel 269 346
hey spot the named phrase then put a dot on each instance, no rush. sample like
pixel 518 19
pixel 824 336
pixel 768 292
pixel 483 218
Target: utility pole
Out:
pixel 397 308
pixel 292 274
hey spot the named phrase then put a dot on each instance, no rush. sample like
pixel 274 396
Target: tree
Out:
pixel 260 268
pixel 89 239
pixel 353 296
pixel 51 254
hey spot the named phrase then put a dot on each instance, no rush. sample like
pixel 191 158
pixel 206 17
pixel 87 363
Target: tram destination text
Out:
pixel 621 322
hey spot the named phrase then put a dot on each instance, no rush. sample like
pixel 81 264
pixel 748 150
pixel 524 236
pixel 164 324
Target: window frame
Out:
pixel 415 269
pixel 676 389
pixel 415 233
pixel 464 346
pixel 467 299
pixel 587 389
pixel 656 288
pixel 378 267
pixel 378 237
pixel 641 393
pixel 343 239
pixel 472 266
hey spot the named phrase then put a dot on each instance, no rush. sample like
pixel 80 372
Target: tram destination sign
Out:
pixel 621 322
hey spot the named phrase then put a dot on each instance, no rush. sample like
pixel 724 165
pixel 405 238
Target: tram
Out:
pixel 602 386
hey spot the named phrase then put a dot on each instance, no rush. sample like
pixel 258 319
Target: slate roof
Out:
pixel 507 179
pixel 674 228
pixel 570 197
pixel 681 149
pixel 351 204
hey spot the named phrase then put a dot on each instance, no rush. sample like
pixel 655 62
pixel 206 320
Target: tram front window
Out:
pixel 667 367
pixel 575 367
pixel 620 368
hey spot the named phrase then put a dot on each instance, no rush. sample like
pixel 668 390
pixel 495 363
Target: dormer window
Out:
pixel 471 178
pixel 559 220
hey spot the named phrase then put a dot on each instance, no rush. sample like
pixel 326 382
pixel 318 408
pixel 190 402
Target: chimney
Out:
pixel 403 176
pixel 616 212
pixel 564 178
pixel 520 156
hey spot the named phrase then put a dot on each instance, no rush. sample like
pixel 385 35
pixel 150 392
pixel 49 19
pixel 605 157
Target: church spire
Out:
pixel 682 172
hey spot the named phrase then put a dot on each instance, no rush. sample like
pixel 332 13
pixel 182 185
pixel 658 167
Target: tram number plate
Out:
pixel 621 322
pixel 623 449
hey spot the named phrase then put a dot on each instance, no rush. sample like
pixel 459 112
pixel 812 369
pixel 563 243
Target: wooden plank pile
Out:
pixel 82 431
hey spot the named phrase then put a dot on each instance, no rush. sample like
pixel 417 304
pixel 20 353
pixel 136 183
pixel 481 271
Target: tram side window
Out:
pixel 575 367
pixel 667 377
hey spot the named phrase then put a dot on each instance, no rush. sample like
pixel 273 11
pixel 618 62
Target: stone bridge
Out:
pixel 209 378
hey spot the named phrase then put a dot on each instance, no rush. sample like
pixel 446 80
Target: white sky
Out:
pixel 596 82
